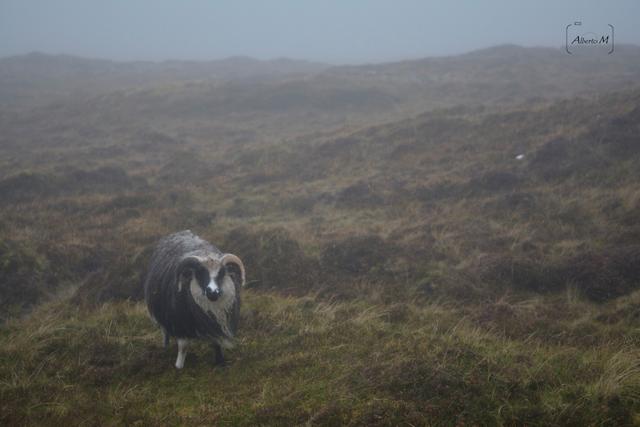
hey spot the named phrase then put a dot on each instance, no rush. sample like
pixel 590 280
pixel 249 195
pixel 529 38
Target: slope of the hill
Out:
pixel 471 265
pixel 460 202
pixel 245 87
pixel 316 362
pixel 37 79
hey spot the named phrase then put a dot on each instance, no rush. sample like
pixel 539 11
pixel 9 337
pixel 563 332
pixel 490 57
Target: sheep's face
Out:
pixel 206 275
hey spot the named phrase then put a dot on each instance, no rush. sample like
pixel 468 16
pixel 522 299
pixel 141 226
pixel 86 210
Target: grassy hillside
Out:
pixel 38 79
pixel 476 264
pixel 320 362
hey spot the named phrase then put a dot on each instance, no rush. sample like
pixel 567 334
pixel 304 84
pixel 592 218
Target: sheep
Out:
pixel 192 290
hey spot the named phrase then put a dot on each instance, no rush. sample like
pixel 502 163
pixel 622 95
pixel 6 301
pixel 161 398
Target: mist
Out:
pixel 359 213
pixel 330 31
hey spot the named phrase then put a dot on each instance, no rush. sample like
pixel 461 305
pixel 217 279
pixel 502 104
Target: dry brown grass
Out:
pixel 415 268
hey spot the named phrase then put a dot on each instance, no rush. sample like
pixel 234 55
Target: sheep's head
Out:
pixel 209 273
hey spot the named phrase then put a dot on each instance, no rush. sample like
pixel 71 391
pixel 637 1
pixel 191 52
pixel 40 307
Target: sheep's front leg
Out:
pixel 219 355
pixel 182 352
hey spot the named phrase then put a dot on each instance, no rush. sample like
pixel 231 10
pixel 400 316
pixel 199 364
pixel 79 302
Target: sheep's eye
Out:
pixel 186 274
pixel 202 276
pixel 220 274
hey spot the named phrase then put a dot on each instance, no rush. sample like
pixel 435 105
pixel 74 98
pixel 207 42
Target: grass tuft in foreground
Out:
pixel 314 361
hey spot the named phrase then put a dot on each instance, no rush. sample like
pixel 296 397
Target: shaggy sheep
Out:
pixel 192 291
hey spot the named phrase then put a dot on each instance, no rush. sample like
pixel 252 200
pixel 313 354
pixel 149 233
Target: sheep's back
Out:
pixel 174 311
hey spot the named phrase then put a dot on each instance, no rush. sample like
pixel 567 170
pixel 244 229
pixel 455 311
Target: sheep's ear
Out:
pixel 235 266
pixel 185 271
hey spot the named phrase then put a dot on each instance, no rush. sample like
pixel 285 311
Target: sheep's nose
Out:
pixel 212 294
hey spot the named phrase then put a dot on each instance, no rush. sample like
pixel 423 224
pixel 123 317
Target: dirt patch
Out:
pixel 526 204
pixel 518 272
pixel 358 256
pixel 25 277
pixel 188 167
pixel 104 179
pixel 494 181
pixel 361 194
pixel 560 158
pixel 600 275
pixel 243 207
pixel 302 204
pixel 25 186
pixel 29 186
pixel 604 274
pixel 552 153
pixel 273 259
pixel 121 278
pixel 439 191
pixel 620 136
pixel 127 201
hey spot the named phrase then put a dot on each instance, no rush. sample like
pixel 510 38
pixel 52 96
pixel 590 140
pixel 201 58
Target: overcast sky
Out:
pixel 337 31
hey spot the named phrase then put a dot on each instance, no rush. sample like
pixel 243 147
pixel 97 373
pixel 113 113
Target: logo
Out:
pixel 579 37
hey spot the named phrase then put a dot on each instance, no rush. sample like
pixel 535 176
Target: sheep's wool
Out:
pixel 220 309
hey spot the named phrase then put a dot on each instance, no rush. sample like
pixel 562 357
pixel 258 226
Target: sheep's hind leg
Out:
pixel 182 352
pixel 219 361
pixel 165 338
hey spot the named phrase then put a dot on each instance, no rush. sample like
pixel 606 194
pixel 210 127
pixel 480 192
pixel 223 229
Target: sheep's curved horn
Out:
pixel 231 258
pixel 187 262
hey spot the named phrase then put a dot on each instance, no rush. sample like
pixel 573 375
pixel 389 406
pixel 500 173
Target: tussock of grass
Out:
pixel 410 272
pixel 307 360
pixel 621 377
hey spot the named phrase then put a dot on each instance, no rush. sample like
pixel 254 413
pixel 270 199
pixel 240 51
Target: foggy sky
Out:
pixel 337 31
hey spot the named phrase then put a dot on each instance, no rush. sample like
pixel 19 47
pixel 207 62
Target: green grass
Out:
pixel 310 361
pixel 406 272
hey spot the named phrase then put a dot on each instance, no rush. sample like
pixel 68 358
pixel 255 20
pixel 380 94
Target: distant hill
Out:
pixel 502 75
pixel 37 78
